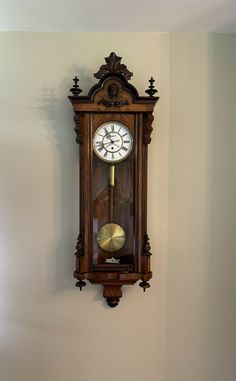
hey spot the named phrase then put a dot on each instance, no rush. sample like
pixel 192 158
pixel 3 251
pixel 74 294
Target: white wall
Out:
pixel 183 328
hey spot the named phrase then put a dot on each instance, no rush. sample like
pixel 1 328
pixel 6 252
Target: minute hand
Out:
pixel 112 143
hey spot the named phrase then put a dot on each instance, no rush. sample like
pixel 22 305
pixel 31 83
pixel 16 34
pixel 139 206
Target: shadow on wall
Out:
pixel 57 113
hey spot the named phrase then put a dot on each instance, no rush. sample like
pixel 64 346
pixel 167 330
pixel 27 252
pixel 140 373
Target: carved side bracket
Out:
pixel 77 129
pixel 79 246
pixel 79 253
pixel 146 246
pixel 148 128
pixel 146 254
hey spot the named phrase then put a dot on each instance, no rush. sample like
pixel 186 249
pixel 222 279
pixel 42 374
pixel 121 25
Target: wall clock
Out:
pixel 113 126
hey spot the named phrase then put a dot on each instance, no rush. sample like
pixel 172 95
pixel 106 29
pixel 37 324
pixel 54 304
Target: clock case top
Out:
pixel 113 98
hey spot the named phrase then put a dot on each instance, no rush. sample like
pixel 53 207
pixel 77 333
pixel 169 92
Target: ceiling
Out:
pixel 118 15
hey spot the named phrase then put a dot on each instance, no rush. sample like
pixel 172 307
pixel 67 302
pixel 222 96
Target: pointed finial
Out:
pixel 75 90
pixel 151 91
pixel 80 284
pixel 144 285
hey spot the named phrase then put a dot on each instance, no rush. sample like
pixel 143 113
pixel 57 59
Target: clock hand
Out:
pixel 112 143
pixel 116 145
pixel 108 143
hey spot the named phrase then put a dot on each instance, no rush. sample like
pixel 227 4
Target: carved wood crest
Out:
pixel 113 65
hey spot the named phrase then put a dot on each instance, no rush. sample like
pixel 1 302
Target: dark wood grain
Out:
pixel 113 99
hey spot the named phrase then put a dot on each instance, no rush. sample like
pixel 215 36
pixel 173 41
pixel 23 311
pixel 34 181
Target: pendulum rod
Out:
pixel 111 191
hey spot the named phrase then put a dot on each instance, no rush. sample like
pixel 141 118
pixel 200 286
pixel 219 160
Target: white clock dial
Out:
pixel 112 142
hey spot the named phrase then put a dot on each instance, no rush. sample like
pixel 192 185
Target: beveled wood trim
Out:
pixel 85 199
pixel 93 107
pixel 112 277
pixel 139 192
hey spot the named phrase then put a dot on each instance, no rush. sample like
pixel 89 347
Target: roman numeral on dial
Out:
pixel 112 142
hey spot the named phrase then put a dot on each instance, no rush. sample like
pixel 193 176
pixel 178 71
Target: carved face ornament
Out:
pixel 113 90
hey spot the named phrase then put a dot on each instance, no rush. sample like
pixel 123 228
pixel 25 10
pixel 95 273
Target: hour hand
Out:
pixel 113 142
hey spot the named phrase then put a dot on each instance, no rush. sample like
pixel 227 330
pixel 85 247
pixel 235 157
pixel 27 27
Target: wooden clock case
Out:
pixel 113 98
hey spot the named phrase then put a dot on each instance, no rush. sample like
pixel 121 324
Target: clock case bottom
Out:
pixel 112 283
